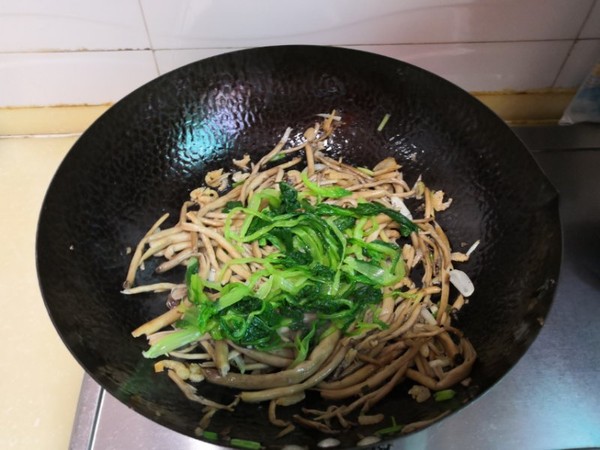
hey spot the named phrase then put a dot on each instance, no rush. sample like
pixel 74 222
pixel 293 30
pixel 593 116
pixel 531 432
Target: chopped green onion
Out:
pixel 395 428
pixel 243 443
pixel 210 435
pixel 442 396
pixel 366 171
pixel 277 157
pixel 383 123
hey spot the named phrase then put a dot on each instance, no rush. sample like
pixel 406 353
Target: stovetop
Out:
pixel 549 400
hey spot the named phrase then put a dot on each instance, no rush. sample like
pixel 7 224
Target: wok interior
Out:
pixel 146 153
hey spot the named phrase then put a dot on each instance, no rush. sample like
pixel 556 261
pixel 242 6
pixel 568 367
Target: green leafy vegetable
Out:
pixel 231 294
pixel 369 210
pixel 324 191
pixel 303 344
pixel 372 209
pixel 289 199
pixel 173 341
pixel 322 269
pixel 192 268
pixel 344 222
pixel 230 205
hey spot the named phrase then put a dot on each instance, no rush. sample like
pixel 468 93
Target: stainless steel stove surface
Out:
pixel 549 400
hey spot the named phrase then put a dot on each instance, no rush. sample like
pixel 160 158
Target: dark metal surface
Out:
pixel 549 400
pixel 147 152
pixel 581 136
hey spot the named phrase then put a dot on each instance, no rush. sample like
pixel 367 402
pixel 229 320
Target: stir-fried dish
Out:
pixel 307 273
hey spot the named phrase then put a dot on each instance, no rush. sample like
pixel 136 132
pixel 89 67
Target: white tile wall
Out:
pixel 491 66
pixel 591 28
pixel 41 25
pixel 581 60
pixel 239 23
pixel 31 79
pixel 167 60
pixel 80 51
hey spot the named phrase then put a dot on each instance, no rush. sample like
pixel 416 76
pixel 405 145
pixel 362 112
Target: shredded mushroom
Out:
pixel 406 335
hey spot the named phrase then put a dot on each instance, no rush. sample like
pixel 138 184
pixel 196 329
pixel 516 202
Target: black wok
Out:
pixel 146 153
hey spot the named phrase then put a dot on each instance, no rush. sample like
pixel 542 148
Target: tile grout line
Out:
pixel 581 27
pixel 69 50
pixel 149 37
pixel 40 135
pixel 218 47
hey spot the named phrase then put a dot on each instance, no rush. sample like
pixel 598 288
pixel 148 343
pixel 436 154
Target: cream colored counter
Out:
pixel 40 380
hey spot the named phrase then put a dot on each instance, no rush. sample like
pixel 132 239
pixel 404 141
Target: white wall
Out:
pixel 96 51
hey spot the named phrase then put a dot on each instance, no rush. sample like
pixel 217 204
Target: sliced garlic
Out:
pixel 328 443
pixel 472 248
pixel 399 205
pixel 369 440
pixel 462 282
